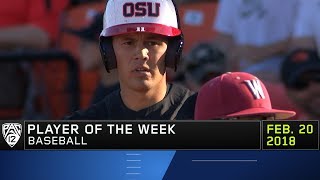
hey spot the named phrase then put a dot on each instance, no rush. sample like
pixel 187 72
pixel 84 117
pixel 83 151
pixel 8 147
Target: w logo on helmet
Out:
pixel 11 133
pixel 256 88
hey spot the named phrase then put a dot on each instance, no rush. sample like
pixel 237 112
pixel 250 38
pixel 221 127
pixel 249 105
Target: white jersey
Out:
pixel 308 21
pixel 257 23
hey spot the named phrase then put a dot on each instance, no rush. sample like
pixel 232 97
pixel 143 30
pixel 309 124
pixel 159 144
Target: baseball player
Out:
pixel 236 95
pixel 141 39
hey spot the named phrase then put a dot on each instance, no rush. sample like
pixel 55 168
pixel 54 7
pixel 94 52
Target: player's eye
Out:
pixel 127 43
pixel 153 43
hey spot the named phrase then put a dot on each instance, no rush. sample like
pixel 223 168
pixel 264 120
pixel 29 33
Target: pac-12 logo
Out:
pixel 11 133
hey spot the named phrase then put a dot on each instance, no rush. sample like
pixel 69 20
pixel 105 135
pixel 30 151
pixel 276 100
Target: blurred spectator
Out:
pixel 255 34
pixel 236 95
pixel 301 75
pixel 196 17
pixel 307 27
pixel 203 63
pixel 90 57
pixel 24 24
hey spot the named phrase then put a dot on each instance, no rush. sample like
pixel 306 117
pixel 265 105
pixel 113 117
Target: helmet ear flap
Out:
pixel 174 51
pixel 107 53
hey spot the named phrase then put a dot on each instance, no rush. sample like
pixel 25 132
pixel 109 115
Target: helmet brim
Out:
pixel 278 114
pixel 141 27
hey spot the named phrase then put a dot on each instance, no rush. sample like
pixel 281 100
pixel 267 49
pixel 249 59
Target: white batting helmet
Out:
pixel 152 16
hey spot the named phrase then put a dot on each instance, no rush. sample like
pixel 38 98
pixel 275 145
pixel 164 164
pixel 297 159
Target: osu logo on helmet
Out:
pixel 141 9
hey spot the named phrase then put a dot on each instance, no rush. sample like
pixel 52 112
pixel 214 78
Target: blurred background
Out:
pixel 51 64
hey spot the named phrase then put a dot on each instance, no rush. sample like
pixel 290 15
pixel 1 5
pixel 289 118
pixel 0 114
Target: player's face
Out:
pixel 308 98
pixel 140 60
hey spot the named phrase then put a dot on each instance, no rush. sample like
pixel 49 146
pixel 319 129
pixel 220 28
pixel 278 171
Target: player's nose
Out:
pixel 141 52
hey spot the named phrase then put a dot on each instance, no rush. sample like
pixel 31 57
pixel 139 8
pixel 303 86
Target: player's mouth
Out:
pixel 141 71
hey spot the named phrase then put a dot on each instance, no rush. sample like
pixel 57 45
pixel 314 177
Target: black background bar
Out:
pixel 222 135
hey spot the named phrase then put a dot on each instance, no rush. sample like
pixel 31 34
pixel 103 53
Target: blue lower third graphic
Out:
pixel 130 165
